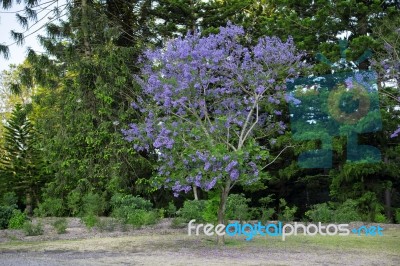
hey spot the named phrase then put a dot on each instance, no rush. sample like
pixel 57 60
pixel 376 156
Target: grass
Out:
pixel 389 243
pixel 157 248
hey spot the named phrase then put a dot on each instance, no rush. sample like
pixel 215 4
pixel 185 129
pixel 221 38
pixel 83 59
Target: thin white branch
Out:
pixel 290 146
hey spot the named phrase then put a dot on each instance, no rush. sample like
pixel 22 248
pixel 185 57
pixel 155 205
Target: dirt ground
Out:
pixel 163 245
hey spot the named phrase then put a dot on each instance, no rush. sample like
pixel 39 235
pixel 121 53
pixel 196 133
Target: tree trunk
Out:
pixel 84 25
pixel 28 208
pixel 196 197
pixel 222 208
pixel 388 203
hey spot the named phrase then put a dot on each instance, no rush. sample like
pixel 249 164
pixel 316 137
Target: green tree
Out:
pixel 21 163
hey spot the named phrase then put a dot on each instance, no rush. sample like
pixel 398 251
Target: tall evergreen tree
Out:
pixel 21 164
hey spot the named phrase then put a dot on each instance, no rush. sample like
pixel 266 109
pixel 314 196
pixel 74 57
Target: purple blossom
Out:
pixel 229 167
pixel 211 184
pixel 135 105
pixel 349 82
pixel 234 175
pixel 289 98
pixel 198 91
pixel 198 179
pixel 396 133
pixel 207 166
pixel 260 89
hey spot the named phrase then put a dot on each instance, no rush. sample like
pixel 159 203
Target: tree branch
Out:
pixel 290 146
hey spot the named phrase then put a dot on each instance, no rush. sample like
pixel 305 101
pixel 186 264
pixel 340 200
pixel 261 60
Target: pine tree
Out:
pixel 21 163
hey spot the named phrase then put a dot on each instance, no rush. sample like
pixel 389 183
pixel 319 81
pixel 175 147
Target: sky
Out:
pixel 8 22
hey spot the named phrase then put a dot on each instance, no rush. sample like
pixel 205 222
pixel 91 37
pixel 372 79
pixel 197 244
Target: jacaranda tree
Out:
pixel 207 102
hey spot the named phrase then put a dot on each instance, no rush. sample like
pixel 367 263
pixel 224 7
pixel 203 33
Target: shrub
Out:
pixel 50 207
pixel 380 218
pixel 120 201
pixel 74 202
pixel 9 199
pixel 31 229
pixel 171 210
pixel 266 214
pixel 320 213
pixel 192 209
pixel 6 213
pixel 90 220
pixel 60 225
pixel 347 212
pixel 237 207
pixel 369 206
pixel 138 218
pixel 287 213
pixel 397 215
pixel 210 212
pixel 178 222
pixel 133 210
pixel 161 213
pixel 17 220
pixel 93 203
pixel 8 204
pixel 266 201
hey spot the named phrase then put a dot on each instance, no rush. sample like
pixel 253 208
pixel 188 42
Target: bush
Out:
pixel 210 212
pixel 178 222
pixel 17 220
pixel 90 220
pixel 287 213
pixel 237 207
pixel 133 210
pixel 93 203
pixel 320 213
pixel 369 206
pixel 347 212
pixel 31 229
pixel 380 218
pixel 161 213
pixel 266 214
pixel 343 213
pixel 60 225
pixel 9 199
pixel 74 202
pixel 123 205
pixel 120 201
pixel 8 204
pixel 171 210
pixel 192 209
pixel 6 213
pixel 397 215
pixel 50 207
pixel 138 218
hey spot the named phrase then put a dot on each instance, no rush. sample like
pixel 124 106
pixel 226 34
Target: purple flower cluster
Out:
pixel 396 133
pixel 202 98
